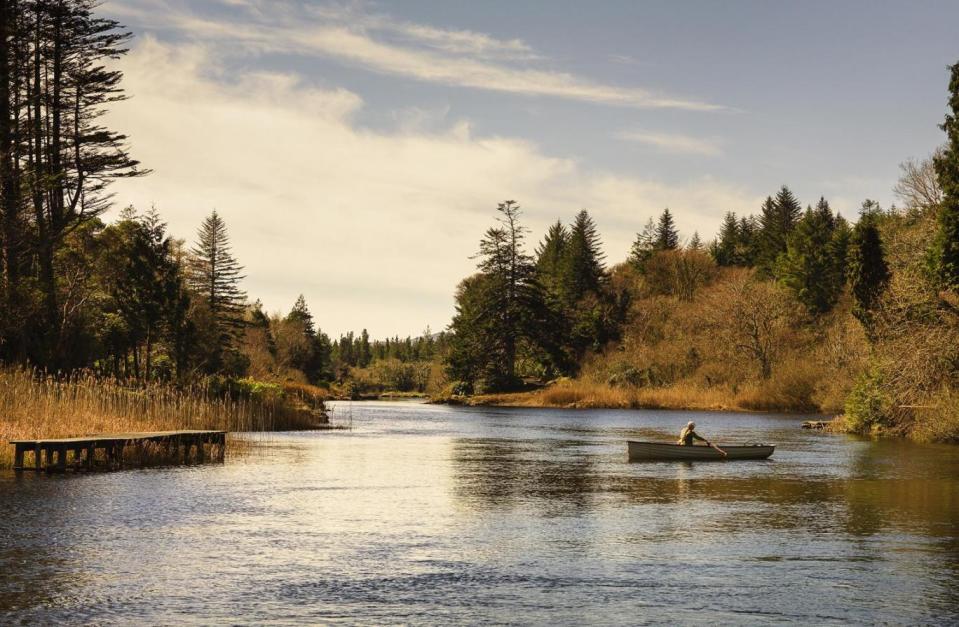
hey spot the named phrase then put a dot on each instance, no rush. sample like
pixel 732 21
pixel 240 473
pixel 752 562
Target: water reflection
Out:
pixel 429 514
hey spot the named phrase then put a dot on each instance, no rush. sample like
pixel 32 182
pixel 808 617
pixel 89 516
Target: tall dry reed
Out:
pixel 33 406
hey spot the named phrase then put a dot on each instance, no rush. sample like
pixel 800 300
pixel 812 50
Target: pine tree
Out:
pixel 724 252
pixel 810 267
pixel 695 243
pixel 946 248
pixel 777 220
pixel 643 246
pixel 552 257
pixel 667 237
pixel 746 246
pixel 500 309
pixel 868 271
pixel 215 277
pixel 584 269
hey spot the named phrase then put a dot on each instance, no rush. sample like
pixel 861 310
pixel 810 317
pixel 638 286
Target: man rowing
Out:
pixel 688 434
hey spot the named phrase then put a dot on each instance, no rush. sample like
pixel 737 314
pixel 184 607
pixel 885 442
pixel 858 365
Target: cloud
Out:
pixel 674 143
pixel 380 44
pixel 374 227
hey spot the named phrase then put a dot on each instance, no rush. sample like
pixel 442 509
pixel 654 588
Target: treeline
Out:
pixel 788 308
pixel 125 300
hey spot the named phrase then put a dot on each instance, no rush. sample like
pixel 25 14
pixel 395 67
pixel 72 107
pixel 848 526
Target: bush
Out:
pixel 868 406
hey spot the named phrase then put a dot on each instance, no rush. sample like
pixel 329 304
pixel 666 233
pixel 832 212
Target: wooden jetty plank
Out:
pixel 54 451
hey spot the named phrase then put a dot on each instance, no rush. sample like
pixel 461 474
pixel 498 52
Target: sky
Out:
pixel 358 150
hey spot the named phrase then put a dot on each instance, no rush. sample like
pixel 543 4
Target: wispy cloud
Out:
pixel 414 196
pixel 381 44
pixel 675 143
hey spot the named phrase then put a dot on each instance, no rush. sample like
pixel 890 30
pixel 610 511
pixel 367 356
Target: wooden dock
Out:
pixel 174 446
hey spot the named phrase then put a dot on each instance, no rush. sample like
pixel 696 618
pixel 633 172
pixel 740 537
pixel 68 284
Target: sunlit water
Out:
pixel 424 514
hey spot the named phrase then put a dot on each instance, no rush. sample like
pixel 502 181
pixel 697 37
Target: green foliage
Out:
pixel 502 310
pixel 777 220
pixel 813 265
pixel 215 277
pixel 667 237
pixel 643 246
pixel 868 405
pixel 867 269
pixel 946 163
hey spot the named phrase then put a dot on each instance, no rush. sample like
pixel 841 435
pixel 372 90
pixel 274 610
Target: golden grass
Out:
pixel 582 394
pixel 45 407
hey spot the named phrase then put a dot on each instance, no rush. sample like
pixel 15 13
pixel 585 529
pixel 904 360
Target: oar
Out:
pixel 711 445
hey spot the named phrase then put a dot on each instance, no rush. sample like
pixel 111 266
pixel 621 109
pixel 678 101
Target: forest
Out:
pixel 787 308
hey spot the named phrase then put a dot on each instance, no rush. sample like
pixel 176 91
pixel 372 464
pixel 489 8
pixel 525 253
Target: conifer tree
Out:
pixel 776 221
pixel 947 169
pixel 868 271
pixel 500 310
pixel 695 243
pixel 643 246
pixel 552 258
pixel 724 252
pixel 667 237
pixel 585 270
pixel 215 277
pixel 810 266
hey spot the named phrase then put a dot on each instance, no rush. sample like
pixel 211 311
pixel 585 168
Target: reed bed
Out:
pixel 34 406
pixel 585 394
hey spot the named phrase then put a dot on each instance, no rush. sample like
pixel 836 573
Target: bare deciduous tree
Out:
pixel 918 186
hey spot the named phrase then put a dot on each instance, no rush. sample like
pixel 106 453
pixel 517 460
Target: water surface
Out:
pixel 427 514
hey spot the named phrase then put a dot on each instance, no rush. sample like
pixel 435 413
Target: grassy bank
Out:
pixel 584 394
pixel 38 407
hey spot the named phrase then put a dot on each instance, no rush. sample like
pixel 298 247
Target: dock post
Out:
pixel 91 452
pixel 37 457
pixel 201 441
pixel 61 458
pixel 18 457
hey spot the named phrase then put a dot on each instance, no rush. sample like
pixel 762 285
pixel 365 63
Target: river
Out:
pixel 432 514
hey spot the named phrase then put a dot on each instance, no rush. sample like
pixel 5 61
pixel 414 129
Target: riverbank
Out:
pixel 572 394
pixel 43 407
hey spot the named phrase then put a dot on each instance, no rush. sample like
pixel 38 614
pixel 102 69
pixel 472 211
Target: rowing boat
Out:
pixel 640 451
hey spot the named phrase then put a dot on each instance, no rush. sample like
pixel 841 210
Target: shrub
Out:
pixel 868 406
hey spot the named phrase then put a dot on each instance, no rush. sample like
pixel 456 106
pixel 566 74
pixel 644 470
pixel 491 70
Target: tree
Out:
pixel 947 169
pixel 918 185
pixel 643 246
pixel 777 219
pixel 813 264
pixel 585 271
pixel 724 250
pixel 501 310
pixel 753 318
pixel 56 156
pixel 552 257
pixel 695 243
pixel 215 277
pixel 868 271
pixel 667 237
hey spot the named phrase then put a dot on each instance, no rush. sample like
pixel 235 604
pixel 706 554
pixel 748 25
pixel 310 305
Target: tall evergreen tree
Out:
pixel 585 270
pixel 667 237
pixel 695 243
pixel 777 220
pixel 215 277
pixel 724 251
pixel 500 309
pixel 552 258
pixel 947 169
pixel 867 270
pixel 810 266
pixel 643 246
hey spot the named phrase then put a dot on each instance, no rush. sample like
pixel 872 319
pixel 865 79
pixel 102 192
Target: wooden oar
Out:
pixel 711 445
